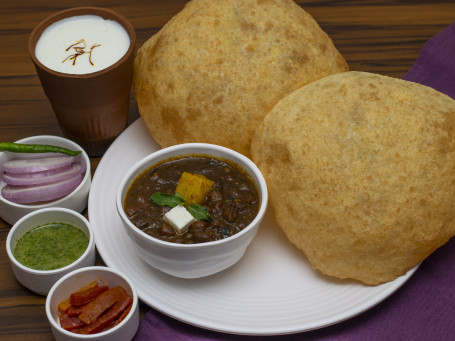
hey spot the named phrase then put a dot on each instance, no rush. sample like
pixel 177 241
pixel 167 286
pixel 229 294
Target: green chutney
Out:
pixel 51 246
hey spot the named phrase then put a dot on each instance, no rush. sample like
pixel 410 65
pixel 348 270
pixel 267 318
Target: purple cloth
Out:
pixel 435 66
pixel 423 309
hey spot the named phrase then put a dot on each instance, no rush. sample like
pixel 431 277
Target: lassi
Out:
pixel 82 44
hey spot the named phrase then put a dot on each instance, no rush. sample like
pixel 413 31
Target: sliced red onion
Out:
pixel 75 169
pixel 36 165
pixel 32 194
pixel 39 174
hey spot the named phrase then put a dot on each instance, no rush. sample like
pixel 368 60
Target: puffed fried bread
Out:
pixel 361 173
pixel 217 68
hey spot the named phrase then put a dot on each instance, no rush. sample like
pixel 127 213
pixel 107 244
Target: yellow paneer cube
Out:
pixel 193 187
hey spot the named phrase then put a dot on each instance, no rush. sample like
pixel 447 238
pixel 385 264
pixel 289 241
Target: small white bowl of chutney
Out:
pixel 46 244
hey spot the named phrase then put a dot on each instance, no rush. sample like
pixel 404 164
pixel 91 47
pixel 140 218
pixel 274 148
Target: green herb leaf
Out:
pixel 164 199
pixel 199 212
pixel 179 196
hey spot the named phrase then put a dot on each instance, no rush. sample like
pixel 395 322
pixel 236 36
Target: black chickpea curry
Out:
pixel 192 199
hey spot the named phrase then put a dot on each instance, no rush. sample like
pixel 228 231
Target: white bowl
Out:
pixel 192 260
pixel 76 200
pixel 77 279
pixel 40 281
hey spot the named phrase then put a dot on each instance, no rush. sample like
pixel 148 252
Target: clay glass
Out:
pixel 91 109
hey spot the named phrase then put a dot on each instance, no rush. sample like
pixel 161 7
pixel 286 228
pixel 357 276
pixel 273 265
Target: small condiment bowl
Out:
pixel 77 279
pixel 40 281
pixel 76 200
pixel 192 260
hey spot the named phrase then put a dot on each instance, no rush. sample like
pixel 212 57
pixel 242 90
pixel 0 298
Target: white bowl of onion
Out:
pixel 32 181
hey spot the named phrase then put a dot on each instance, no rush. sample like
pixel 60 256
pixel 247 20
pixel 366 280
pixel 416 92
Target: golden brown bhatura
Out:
pixel 360 171
pixel 217 67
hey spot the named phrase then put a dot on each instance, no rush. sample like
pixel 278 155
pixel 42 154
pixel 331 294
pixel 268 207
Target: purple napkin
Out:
pixel 435 66
pixel 423 309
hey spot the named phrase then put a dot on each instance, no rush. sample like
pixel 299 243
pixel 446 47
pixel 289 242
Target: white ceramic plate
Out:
pixel 272 290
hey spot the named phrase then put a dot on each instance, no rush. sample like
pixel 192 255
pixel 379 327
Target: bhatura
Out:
pixel 361 173
pixel 217 67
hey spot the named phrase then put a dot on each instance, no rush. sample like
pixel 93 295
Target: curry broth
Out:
pixel 233 202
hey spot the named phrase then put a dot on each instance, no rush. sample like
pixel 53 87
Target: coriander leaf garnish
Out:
pixel 180 197
pixel 164 199
pixel 199 212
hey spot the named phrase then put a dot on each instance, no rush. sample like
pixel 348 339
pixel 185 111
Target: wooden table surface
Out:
pixel 382 36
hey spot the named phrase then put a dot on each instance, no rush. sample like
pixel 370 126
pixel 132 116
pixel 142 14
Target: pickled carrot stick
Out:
pixel 70 322
pixel 86 296
pixel 64 305
pixel 75 310
pixel 100 304
pixel 124 314
pixel 113 313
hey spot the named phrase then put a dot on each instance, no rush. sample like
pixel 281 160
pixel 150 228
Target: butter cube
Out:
pixel 179 218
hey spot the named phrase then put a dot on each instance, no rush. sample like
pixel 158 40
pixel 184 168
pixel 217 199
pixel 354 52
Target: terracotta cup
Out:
pixel 91 109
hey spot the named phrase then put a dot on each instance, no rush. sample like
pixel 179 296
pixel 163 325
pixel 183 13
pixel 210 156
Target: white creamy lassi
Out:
pixel 82 44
